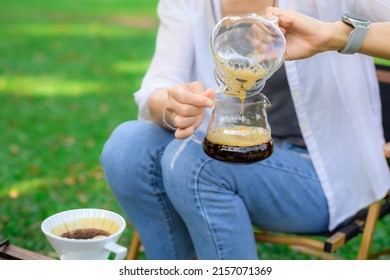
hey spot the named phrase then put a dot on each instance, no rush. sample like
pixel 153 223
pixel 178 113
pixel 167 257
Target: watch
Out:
pixel 357 35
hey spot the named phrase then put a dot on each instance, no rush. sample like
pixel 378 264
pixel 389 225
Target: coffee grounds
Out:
pixel 84 233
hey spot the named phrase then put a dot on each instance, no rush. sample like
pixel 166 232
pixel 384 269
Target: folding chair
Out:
pixel 322 246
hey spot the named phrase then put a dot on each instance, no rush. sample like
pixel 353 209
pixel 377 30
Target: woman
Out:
pixel 325 122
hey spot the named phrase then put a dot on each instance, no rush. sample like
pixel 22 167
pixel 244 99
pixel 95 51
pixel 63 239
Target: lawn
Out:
pixel 68 71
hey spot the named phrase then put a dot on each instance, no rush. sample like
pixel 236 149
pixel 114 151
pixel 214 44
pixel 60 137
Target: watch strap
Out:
pixel 355 40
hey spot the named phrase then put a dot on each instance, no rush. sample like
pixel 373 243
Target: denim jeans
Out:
pixel 185 204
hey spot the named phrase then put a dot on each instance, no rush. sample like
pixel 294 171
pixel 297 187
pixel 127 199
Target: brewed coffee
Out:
pixel 238 144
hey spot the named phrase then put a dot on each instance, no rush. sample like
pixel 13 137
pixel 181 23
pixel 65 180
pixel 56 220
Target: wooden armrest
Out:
pixel 341 236
pixel 11 252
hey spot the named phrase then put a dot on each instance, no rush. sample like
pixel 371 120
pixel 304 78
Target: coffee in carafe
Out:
pixel 239 132
pixel 240 145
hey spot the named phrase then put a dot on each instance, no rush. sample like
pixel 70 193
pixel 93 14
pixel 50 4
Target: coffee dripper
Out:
pixel 247 49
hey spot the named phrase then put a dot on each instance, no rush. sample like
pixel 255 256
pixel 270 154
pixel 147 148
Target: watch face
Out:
pixel 355 20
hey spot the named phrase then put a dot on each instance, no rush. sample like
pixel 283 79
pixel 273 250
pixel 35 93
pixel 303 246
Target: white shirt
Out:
pixel 336 97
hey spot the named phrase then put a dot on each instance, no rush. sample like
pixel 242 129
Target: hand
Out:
pixel 186 103
pixel 305 36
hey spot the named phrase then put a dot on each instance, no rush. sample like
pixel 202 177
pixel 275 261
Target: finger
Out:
pixel 285 16
pixel 183 122
pixel 197 87
pixel 270 11
pixel 184 96
pixel 184 110
pixel 182 133
pixel 209 93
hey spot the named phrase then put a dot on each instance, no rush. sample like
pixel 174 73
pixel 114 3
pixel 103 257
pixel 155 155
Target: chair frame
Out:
pixel 135 246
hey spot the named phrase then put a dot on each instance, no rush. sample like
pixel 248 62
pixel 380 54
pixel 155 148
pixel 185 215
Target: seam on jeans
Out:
pixel 165 207
pixel 195 172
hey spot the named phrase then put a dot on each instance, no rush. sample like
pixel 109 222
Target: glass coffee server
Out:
pixel 247 50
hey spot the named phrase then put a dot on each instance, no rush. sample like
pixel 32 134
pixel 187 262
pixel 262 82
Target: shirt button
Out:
pixel 305 127
pixel 296 94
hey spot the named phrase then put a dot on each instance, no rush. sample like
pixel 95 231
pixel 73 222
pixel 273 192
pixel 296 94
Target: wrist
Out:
pixel 338 37
pixel 158 112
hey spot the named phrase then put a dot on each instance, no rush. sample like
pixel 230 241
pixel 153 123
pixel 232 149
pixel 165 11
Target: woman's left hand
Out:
pixel 186 103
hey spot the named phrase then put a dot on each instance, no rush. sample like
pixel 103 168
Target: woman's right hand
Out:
pixel 186 104
pixel 306 36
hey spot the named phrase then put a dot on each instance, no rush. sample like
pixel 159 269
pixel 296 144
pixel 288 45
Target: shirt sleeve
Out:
pixel 173 56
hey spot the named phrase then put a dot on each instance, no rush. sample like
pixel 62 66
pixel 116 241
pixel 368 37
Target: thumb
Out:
pixel 210 93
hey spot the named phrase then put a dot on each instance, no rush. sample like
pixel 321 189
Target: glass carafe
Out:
pixel 247 49
pixel 238 131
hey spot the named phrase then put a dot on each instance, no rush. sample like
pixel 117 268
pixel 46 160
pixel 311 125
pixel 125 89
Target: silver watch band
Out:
pixel 355 40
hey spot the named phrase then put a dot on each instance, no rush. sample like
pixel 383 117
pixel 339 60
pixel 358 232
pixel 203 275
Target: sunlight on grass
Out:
pixel 23 187
pixel 78 7
pixel 383 62
pixel 132 67
pixel 46 86
pixel 94 28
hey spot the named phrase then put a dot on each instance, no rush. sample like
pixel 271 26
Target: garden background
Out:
pixel 68 71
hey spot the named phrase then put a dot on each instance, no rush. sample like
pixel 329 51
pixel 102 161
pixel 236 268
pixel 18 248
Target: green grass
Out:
pixel 68 71
pixel 383 62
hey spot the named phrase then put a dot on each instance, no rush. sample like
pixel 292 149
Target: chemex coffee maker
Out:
pixel 247 50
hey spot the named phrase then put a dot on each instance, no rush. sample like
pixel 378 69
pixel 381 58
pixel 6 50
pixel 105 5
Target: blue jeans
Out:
pixel 185 204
